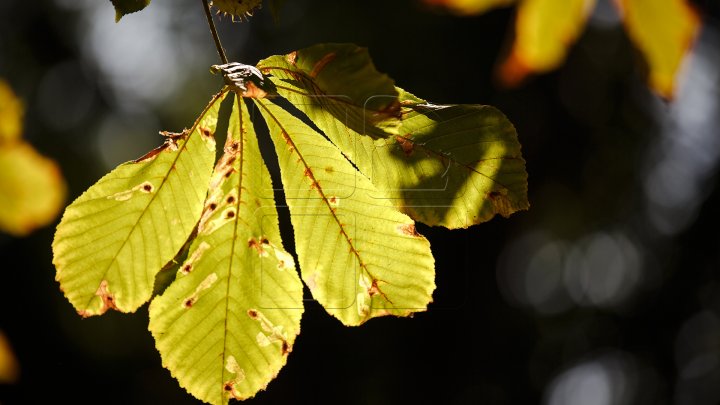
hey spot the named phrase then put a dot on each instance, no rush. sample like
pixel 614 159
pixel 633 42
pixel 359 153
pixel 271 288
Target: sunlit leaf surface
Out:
pixel 359 256
pixel 663 31
pixel 453 166
pixel 114 239
pixel 341 81
pixel 237 296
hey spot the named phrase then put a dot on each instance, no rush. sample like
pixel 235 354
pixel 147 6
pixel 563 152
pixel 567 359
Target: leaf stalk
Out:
pixel 214 32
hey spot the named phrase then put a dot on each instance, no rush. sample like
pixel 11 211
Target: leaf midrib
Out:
pixel 320 191
pixel 241 162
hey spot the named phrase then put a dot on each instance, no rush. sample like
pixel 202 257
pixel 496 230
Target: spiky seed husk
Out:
pixel 242 9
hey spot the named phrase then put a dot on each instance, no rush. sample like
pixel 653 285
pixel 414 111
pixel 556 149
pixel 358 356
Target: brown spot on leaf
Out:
pixel 254 91
pixel 501 203
pixel 286 348
pixel 319 65
pixel 212 206
pixel 406 144
pixel 188 303
pixel 152 154
pixel 186 268
pixel 230 214
pixel 288 141
pixel 252 313
pixel 229 172
pixel 408 229
pixel 228 386
pixel 205 132
pixel 234 145
pixel 258 246
pixel 230 199
pixel 373 290
pixel 147 187
pixel 329 169
pixel 392 110
pixel 108 301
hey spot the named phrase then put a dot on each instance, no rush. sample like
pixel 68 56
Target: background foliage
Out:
pixel 609 283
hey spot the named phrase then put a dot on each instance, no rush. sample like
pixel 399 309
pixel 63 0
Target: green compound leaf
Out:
pixel 453 166
pixel 225 326
pixel 114 239
pixel 124 7
pixel 359 256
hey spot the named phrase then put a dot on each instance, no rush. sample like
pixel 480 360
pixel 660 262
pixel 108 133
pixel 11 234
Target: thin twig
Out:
pixel 211 23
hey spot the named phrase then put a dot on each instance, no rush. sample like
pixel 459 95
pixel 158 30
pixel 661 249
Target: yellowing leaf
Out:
pixel 663 31
pixel 32 190
pixel 469 7
pixel 544 30
pixel 11 111
pixel 227 323
pixel 359 256
pixel 9 368
pixel 114 239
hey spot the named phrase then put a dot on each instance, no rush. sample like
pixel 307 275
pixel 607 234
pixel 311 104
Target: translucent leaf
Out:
pixel 544 30
pixel 11 111
pixel 453 166
pixel 663 30
pixel 344 83
pixel 359 256
pixel 32 190
pixel 225 326
pixel 124 7
pixel 470 7
pixel 114 239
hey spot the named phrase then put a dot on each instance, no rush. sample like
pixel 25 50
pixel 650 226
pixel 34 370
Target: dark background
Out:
pixel 605 292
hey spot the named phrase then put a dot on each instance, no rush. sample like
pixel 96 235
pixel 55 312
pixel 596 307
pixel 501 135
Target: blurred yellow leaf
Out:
pixel 468 7
pixel 11 111
pixel 32 190
pixel 9 369
pixel 663 30
pixel 544 31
